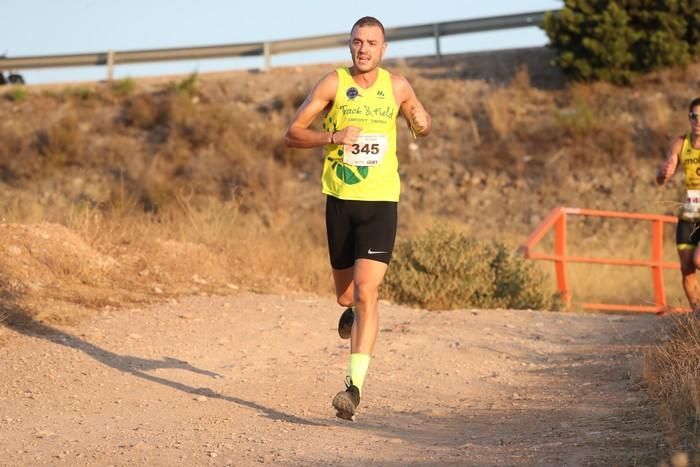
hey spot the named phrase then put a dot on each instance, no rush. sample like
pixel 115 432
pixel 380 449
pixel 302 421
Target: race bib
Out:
pixel 368 150
pixel 691 206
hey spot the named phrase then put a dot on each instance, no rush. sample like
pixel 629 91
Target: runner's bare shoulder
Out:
pixel 327 86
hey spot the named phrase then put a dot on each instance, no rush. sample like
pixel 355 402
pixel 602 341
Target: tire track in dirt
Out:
pixel 248 379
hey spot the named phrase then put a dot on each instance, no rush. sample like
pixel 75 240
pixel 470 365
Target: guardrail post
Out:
pixel 560 262
pixel 657 271
pixel 110 65
pixel 436 35
pixel 266 53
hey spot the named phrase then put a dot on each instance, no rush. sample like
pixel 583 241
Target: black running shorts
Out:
pixel 360 229
pixel 687 234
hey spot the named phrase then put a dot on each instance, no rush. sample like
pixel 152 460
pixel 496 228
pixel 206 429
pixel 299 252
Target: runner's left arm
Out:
pixel 669 165
pixel 416 116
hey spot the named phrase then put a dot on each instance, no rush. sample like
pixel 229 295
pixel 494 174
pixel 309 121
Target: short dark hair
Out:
pixel 368 21
pixel 694 103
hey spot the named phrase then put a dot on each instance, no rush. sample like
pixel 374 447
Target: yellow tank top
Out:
pixel 690 160
pixel 367 170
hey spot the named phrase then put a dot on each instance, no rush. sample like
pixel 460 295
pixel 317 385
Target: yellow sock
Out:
pixel 357 370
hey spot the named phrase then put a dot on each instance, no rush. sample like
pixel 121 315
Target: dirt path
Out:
pixel 248 379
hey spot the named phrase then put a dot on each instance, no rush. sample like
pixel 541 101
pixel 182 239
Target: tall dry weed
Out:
pixel 143 111
pixel 211 222
pixel 198 230
pixel 672 374
pixel 521 80
pixel 502 111
pixel 14 145
pixel 61 143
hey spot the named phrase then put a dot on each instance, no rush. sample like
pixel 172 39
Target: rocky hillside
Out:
pixel 201 161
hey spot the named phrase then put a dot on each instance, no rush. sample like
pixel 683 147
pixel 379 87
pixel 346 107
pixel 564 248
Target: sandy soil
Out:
pixel 248 379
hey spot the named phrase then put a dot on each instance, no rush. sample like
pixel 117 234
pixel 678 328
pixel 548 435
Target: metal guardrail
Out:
pixel 267 49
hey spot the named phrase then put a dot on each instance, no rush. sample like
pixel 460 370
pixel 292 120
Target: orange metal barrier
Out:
pixel 557 219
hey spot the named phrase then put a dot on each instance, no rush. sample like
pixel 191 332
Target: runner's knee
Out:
pixel 345 300
pixel 365 293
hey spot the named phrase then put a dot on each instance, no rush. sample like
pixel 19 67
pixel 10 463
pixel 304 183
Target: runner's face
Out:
pixel 695 123
pixel 367 47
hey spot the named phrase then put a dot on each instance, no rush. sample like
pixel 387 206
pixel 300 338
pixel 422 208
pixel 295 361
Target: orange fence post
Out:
pixel 657 271
pixel 560 262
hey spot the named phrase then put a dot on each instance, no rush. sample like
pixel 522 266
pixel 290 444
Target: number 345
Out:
pixel 365 148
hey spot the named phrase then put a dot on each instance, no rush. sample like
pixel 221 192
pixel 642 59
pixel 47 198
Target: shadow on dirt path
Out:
pixel 18 320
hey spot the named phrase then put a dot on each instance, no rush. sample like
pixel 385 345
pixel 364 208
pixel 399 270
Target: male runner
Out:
pixel 360 178
pixel 685 151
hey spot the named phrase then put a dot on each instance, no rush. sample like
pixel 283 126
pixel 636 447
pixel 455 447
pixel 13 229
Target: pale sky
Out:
pixel 50 27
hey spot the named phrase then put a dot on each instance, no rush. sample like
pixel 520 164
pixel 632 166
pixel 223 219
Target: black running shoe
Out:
pixel 345 323
pixel 346 402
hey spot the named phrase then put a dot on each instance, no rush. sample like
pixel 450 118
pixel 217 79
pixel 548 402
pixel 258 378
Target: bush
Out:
pixel 125 86
pixel 17 94
pixel 81 92
pixel 188 86
pixel 612 40
pixel 444 269
pixel 518 283
pixel 578 120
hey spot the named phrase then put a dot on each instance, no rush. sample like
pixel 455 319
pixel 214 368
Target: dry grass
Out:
pixel 201 162
pixel 120 257
pixel 672 374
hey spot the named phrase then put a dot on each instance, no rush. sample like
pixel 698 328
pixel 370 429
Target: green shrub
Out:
pixel 518 282
pixel 125 86
pixel 17 94
pixel 188 86
pixel 444 269
pixel 612 40
pixel 81 92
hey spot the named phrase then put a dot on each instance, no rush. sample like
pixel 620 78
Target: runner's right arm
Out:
pixel 300 135
pixel 669 165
